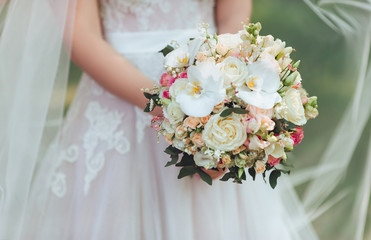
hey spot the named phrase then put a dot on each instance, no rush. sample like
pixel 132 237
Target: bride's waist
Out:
pixel 147 41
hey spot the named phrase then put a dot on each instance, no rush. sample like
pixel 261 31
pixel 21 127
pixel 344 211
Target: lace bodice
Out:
pixel 154 15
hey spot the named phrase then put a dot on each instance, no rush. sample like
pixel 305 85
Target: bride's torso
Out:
pixel 154 15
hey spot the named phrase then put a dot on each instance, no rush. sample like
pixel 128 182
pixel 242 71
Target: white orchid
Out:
pixel 204 90
pixel 260 89
pixel 177 58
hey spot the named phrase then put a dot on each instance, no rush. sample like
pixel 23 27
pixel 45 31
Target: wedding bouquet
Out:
pixel 231 101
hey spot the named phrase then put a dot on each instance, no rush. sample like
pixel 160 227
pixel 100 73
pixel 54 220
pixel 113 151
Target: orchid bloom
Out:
pixel 203 91
pixel 260 89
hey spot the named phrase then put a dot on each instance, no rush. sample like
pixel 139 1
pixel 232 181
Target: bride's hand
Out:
pixel 215 174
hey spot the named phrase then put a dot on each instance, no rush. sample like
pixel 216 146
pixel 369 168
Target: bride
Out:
pixel 103 177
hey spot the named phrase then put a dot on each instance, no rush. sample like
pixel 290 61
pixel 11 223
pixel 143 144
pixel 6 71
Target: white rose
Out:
pixel 274 48
pixel 234 71
pixel 291 108
pixel 177 58
pixel 226 42
pixel 225 134
pixel 179 144
pixel 179 85
pixel 203 160
pixel 168 127
pixel 174 113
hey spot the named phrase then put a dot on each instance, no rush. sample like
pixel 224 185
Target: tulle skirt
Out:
pixel 105 179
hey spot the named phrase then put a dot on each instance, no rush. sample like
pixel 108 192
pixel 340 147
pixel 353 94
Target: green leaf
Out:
pixel 240 172
pixel 186 171
pixel 172 150
pixel 240 111
pixel 148 95
pixel 264 177
pixel 227 176
pixel 226 112
pixel 252 173
pixel 167 50
pixel 273 178
pixel 147 109
pixel 204 176
pixel 174 159
pixel 187 160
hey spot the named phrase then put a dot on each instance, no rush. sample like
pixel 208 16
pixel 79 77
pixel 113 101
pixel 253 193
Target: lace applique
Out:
pixel 143 121
pixel 58 185
pixel 70 155
pixel 102 134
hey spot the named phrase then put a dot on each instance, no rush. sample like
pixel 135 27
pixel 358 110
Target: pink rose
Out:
pixel 297 136
pixel 165 78
pixel 166 94
pixel 273 161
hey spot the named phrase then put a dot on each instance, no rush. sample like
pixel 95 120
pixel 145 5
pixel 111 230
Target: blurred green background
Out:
pixel 323 69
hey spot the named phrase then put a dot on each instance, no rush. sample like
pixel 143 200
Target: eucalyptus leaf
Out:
pixel 204 176
pixel 275 174
pixel 186 171
pixel 167 50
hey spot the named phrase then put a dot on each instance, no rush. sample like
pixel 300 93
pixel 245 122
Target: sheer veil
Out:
pixel 34 65
pixel 338 190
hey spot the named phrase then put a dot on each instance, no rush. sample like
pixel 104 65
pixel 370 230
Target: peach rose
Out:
pixel 169 138
pixel 259 166
pixel 205 119
pixel 180 132
pixel 196 138
pixel 191 122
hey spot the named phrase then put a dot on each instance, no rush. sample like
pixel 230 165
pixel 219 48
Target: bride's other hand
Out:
pixel 215 174
pixel 100 61
pixel 230 13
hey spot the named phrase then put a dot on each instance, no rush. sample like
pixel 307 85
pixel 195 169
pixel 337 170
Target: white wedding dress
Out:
pixel 109 180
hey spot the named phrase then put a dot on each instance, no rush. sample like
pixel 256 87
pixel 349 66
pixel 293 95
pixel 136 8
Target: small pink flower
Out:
pixel 165 78
pixel 273 161
pixel 297 136
pixel 171 81
pixel 183 75
pixel 166 94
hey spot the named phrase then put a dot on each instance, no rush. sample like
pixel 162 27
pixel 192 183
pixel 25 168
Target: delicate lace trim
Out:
pixel 143 121
pixel 102 130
